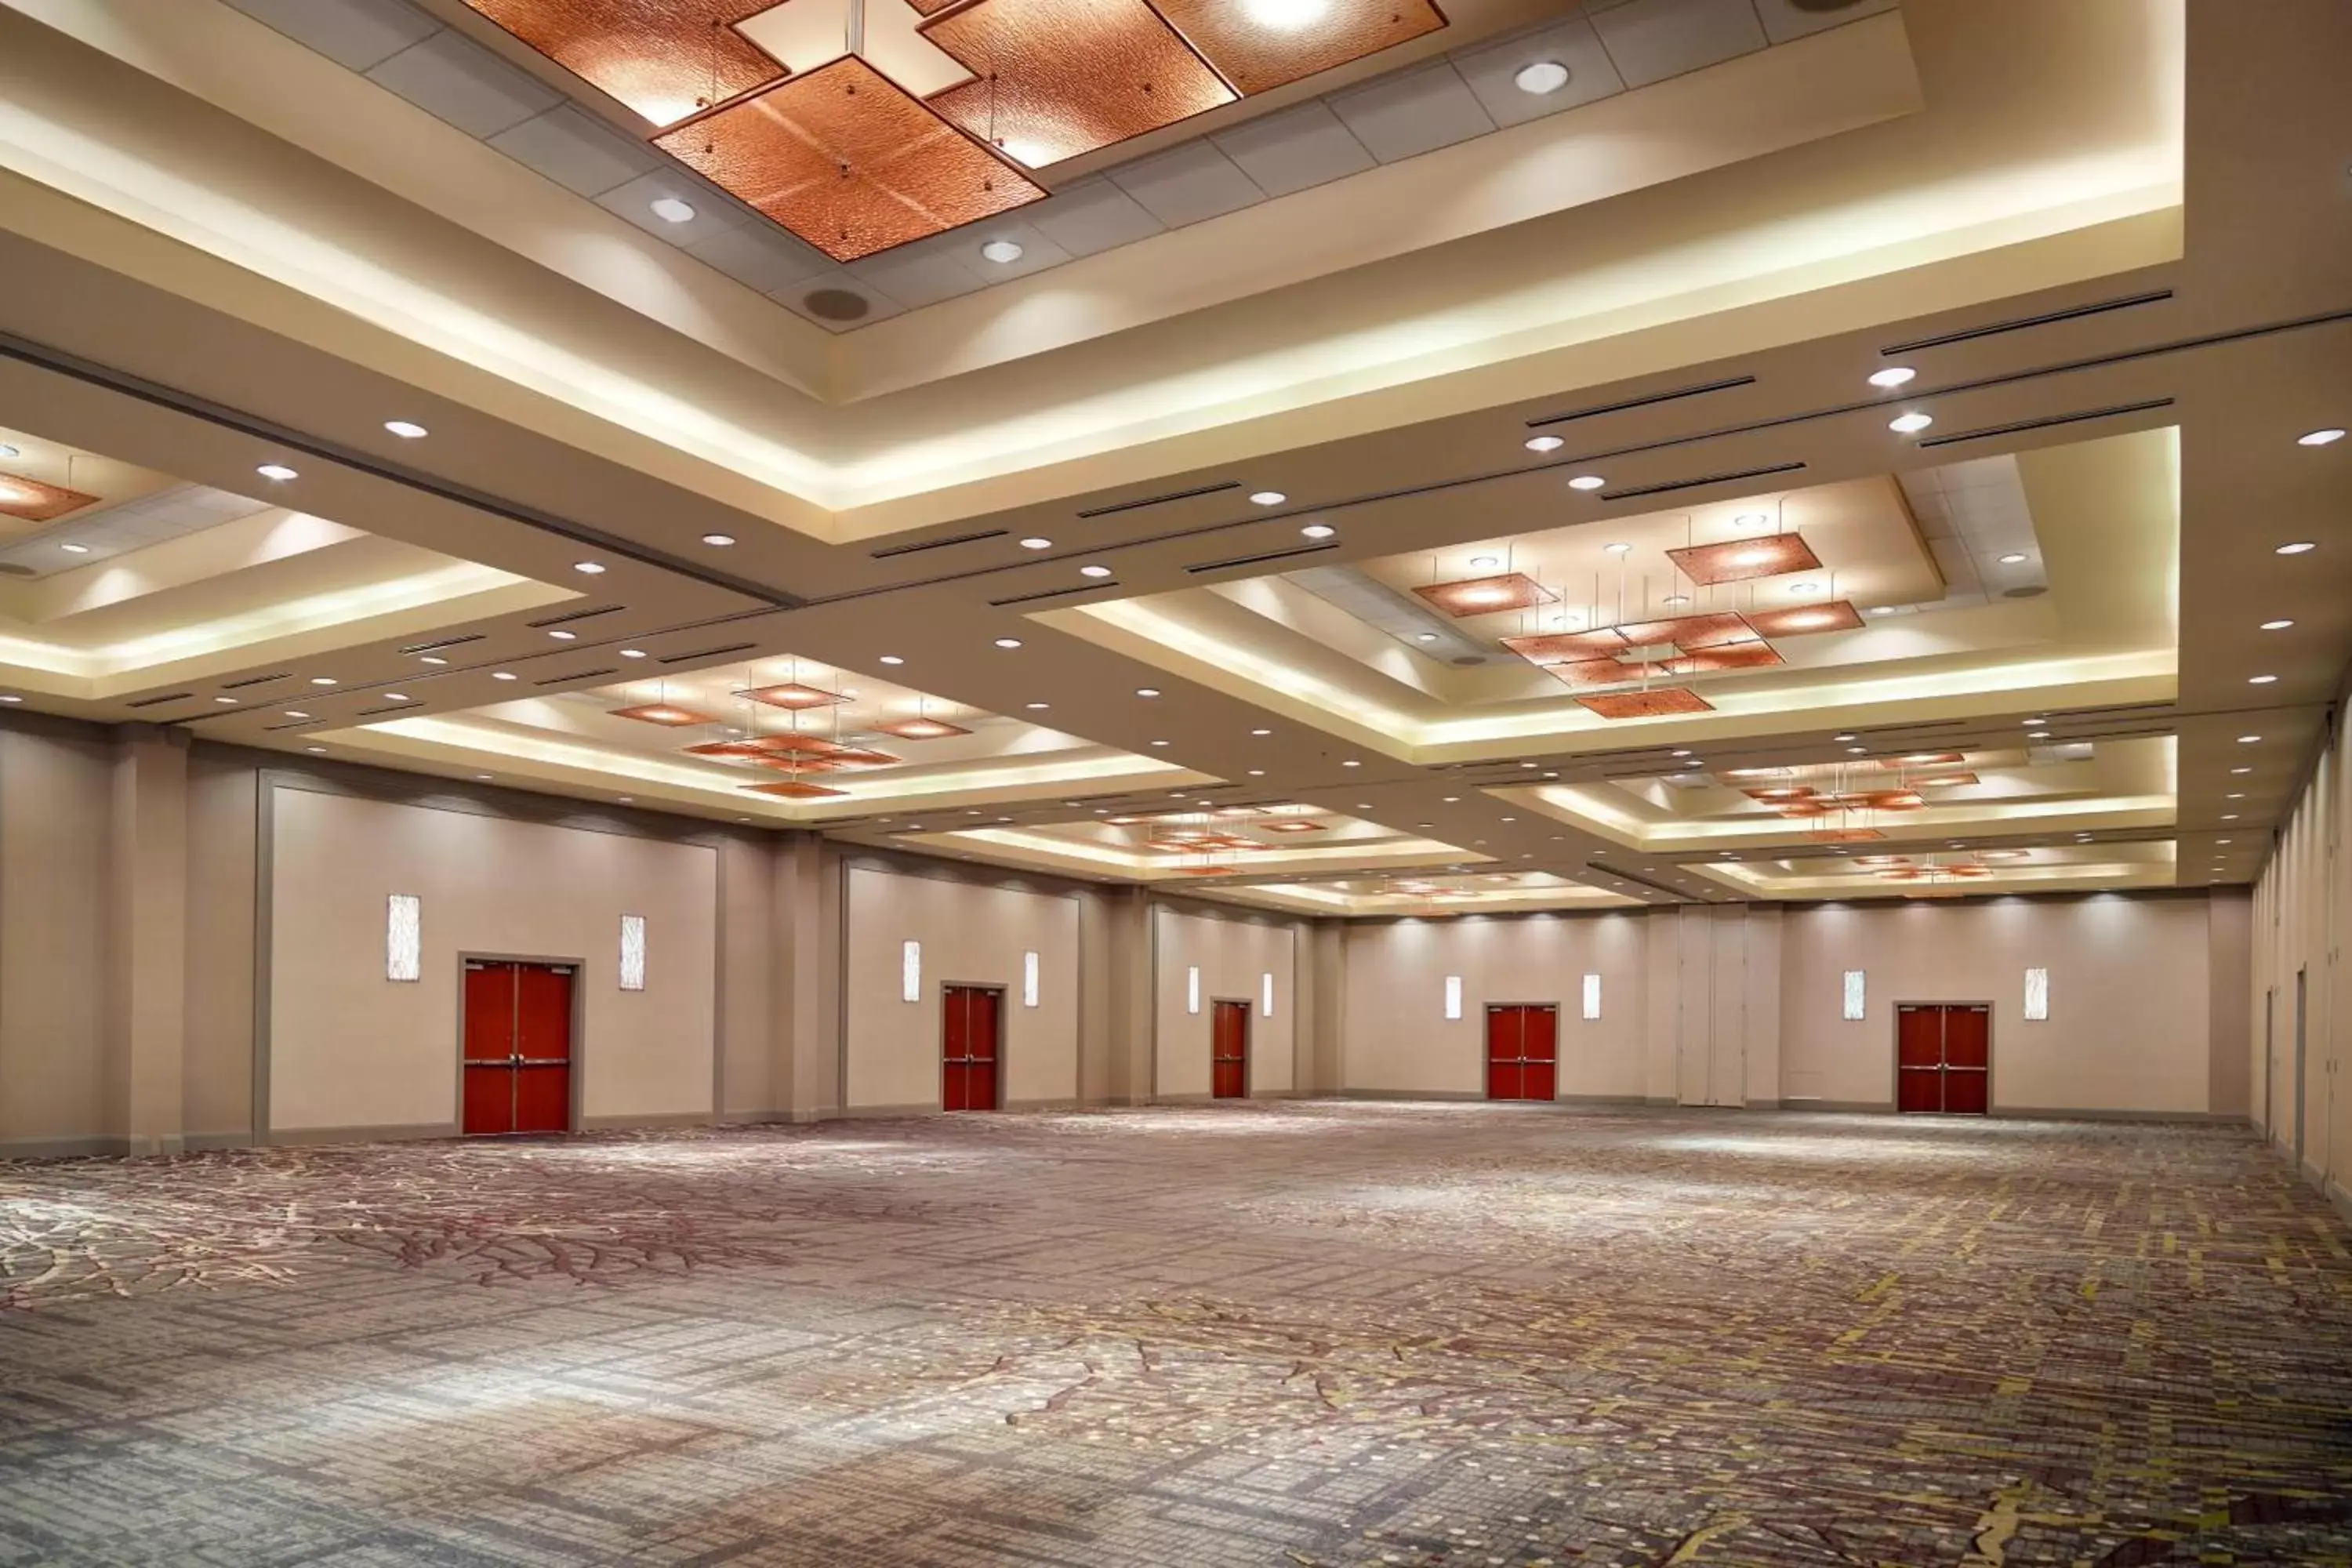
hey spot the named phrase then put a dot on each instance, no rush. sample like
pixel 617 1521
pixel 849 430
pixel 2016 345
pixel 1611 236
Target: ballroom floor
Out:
pixel 1303 1333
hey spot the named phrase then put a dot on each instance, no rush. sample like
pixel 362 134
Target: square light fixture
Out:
pixel 850 161
pixel 666 59
pixel 920 728
pixel 792 695
pixel 1837 615
pixel 37 502
pixel 664 714
pixel 1659 703
pixel 1262 44
pixel 1488 596
pixel 794 789
pixel 1744 560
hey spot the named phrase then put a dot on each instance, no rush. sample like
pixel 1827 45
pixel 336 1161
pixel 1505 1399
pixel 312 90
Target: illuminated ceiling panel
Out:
pixel 1665 700
pixel 794 789
pixel 1488 596
pixel 792 695
pixel 920 728
pixel 850 162
pixel 37 502
pixel 1058 78
pixel 1742 560
pixel 1261 44
pixel 1837 615
pixel 664 59
pixel 664 714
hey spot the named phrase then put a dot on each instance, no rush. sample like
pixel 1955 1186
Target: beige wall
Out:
pixel 2130 1001
pixel 2300 902
pixel 348 1049
pixel 1234 956
pixel 971 934
pixel 1398 1039
pixel 56 815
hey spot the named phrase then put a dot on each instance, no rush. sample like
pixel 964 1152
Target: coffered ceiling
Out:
pixel 1515 498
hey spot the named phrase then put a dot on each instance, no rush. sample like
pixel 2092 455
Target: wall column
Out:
pixel 805 1065
pixel 147 934
pixel 1128 926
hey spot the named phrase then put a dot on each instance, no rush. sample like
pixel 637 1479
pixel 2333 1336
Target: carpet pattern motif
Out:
pixel 1313 1334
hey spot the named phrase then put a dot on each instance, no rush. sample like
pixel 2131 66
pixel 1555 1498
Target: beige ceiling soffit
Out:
pixel 577 765
pixel 298 628
pixel 1584 807
pixel 152 571
pixel 1833 81
pixel 234 63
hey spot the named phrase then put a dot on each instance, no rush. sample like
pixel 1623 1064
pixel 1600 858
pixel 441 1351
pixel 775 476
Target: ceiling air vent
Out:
pixel 1692 484
pixel 1161 500
pixel 709 652
pixel 1055 593
pixel 1290 554
pixel 2048 422
pixel 2026 323
pixel 570 616
pixel 157 702
pixel 916 548
pixel 1650 400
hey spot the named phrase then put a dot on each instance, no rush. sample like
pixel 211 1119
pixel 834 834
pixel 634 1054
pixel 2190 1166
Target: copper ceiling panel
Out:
pixel 726 749
pixel 1584 674
pixel 794 789
pixel 1921 760
pixel 1743 560
pixel 1895 800
pixel 1658 704
pixel 1837 615
pixel 1488 596
pixel 1058 78
pixel 37 502
pixel 1567 648
pixel 792 695
pixel 846 159
pixel 1845 834
pixel 1781 792
pixel 665 713
pixel 1294 825
pixel 857 757
pixel 1729 656
pixel 1937 781
pixel 1690 633
pixel 1254 51
pixel 793 741
pixel 664 59
pixel 796 765
pixel 920 728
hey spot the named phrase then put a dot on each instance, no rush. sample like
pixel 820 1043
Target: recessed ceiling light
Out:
pixel 2261 680
pixel 1159 743
pixel 322 681
pixel 1351 763
pixel 1587 483
pixel 1008 642
pixel 504 675
pixel 75 549
pixel 1905 424
pixel 2248 739
pixel 669 209
pixel 9 451
pixel 1893 375
pixel 430 659
pixel 1267 497
pixel 2012 559
pixel 594 568
pixel 1856 751
pixel 2298 548
pixel 276 471
pixel 1545 442
pixel 2037 734
pixel 291 714
pixel 719 541
pixel 890 658
pixel 1147 691
pixel 1617 549
pixel 314 748
pixel 406 429
pixel 2241 770
pixel 1319 530
pixel 1483 563
pixel 1094 571
pixel 1541 78
pixel 1675 599
pixel 1882 609
pixel 2327 437
pixel 1004 252
pixel 626 799
pixel 395 697
pixel 625 653
pixel 1033 542
pixel 225 701
pixel 1804 587
pixel 1035 707
pixel 2228 817
pixel 485 778
pixel 560 635
pixel 1425 636
pixel 2276 625
pixel 1257 773
pixel 2235 794
pixel 1261 732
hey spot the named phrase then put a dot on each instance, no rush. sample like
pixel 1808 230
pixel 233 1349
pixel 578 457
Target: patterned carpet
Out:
pixel 1299 1334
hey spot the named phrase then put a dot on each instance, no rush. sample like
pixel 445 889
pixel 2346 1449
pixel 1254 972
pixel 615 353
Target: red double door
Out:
pixel 1229 1050
pixel 1522 1052
pixel 518 1048
pixel 1943 1056
pixel 969 1048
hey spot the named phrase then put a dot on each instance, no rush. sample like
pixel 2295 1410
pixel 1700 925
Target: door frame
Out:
pixel 1004 1037
pixel 578 1026
pixel 1894 1050
pixel 1558 1010
pixel 1248 1005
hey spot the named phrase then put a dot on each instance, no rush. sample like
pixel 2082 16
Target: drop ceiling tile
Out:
pixel 1650 40
pixel 354 34
pixel 1294 149
pixel 1412 112
pixel 1188 184
pixel 1787 19
pixel 1489 70
pixel 575 151
pixel 1088 215
pixel 833 284
pixel 915 275
pixel 454 79
pixel 762 256
pixel 713 213
pixel 1038 251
